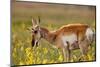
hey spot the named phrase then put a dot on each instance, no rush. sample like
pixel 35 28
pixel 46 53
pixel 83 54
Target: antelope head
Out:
pixel 36 36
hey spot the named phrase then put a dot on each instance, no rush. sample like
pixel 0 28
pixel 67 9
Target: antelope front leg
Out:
pixel 66 54
pixel 65 49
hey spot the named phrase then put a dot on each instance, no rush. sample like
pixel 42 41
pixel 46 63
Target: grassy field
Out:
pixel 52 17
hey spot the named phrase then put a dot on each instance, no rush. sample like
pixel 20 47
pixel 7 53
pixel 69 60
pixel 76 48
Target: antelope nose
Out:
pixel 34 43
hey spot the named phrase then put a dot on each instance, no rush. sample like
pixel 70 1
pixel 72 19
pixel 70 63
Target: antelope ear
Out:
pixel 34 22
pixel 38 21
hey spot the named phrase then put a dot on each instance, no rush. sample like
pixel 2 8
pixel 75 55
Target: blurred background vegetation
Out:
pixel 52 17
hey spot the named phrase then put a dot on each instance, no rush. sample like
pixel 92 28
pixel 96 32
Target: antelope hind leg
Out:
pixel 83 45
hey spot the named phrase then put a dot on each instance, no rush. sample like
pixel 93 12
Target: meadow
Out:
pixel 52 16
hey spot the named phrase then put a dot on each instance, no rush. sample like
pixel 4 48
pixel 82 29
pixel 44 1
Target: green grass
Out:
pixel 52 17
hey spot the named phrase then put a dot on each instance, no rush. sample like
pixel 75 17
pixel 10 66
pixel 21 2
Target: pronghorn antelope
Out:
pixel 68 37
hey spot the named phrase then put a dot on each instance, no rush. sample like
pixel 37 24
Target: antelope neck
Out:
pixel 47 35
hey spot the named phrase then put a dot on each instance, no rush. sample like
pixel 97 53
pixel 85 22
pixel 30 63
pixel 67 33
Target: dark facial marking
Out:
pixel 35 31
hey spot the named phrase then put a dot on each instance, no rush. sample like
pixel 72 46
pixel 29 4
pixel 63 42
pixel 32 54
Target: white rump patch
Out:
pixel 69 38
pixel 89 34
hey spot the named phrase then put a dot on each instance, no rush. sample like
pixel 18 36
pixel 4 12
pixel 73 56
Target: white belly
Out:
pixel 69 38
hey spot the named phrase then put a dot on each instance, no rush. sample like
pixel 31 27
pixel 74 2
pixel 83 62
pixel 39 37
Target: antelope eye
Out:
pixel 32 29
